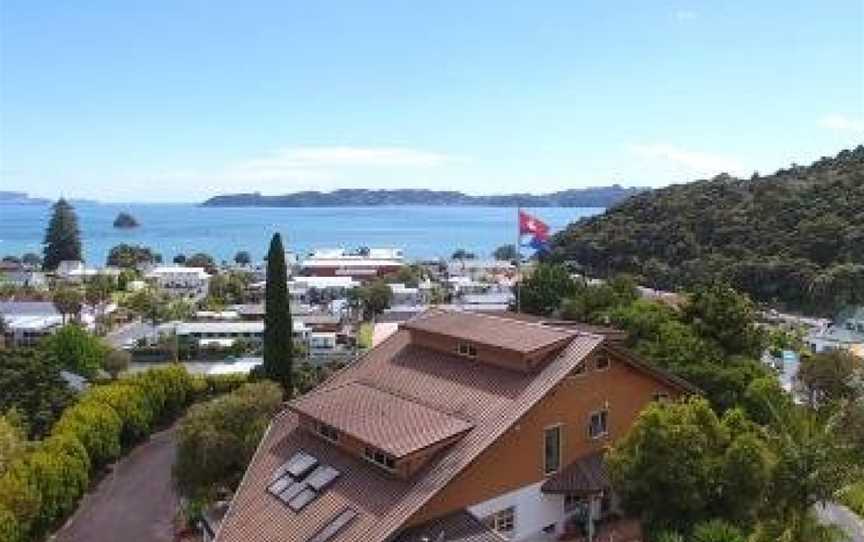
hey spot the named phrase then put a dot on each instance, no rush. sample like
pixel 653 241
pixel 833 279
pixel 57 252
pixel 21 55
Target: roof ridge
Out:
pixel 412 399
pixel 497 317
pixel 509 418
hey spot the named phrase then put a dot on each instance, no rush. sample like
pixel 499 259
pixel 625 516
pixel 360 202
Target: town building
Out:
pixel 376 262
pixel 225 333
pixel 27 322
pixel 846 332
pixel 458 426
pixel 179 280
pixel 77 272
pixel 22 277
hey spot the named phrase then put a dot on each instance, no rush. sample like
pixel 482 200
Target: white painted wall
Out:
pixel 534 509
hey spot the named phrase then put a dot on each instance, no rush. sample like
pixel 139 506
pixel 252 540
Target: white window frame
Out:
pixel 466 349
pixel 559 428
pixel 503 521
pixel 604 414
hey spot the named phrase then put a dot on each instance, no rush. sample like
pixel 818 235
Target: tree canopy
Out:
pixel 278 327
pixel 62 237
pixel 131 256
pixel 795 238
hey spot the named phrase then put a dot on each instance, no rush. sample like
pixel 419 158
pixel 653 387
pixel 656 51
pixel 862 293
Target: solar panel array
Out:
pixel 300 480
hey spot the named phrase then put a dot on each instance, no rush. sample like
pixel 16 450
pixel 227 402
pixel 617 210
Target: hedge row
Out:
pixel 42 488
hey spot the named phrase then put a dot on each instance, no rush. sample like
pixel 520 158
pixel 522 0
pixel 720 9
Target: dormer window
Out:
pixel 602 363
pixel 329 432
pixel 467 350
pixel 380 458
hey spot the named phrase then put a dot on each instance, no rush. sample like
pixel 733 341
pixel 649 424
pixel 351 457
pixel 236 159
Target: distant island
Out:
pixel 606 196
pixel 125 220
pixel 20 198
pixel 794 238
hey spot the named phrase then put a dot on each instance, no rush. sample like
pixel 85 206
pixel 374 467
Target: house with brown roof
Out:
pixel 459 427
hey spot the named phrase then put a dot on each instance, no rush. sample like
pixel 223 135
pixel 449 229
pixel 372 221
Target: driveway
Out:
pixel 129 332
pixel 134 503
pixel 836 514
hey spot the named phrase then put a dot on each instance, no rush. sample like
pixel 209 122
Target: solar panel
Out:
pixel 291 491
pixel 280 484
pixel 336 525
pixel 302 499
pixel 322 477
pixel 300 465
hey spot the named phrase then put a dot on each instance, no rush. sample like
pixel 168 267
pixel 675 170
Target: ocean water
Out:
pixel 170 229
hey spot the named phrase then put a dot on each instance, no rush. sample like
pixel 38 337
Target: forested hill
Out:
pixel 795 238
pixel 582 197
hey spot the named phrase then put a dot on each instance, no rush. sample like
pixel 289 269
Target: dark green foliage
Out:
pixel 278 329
pixel 73 348
pixel 462 254
pixel 227 288
pixel 796 237
pixel 544 290
pixel 200 259
pixel 68 301
pixel 216 439
pixel 32 385
pixel 830 377
pixel 703 467
pixel 725 317
pixel 375 297
pixel 243 258
pixel 62 238
pixel 506 253
pixel 131 256
pixel 590 303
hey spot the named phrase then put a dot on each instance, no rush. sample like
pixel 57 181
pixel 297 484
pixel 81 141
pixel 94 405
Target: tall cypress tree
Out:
pixel 62 238
pixel 278 329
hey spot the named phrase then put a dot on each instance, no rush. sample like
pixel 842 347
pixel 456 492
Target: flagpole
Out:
pixel 518 261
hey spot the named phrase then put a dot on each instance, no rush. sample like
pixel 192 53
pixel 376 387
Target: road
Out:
pixel 839 515
pixel 134 503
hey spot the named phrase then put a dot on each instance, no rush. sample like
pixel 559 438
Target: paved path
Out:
pixel 839 515
pixel 134 503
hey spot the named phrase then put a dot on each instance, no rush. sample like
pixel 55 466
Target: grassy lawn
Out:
pixel 853 497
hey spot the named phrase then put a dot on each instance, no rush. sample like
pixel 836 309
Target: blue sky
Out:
pixel 178 100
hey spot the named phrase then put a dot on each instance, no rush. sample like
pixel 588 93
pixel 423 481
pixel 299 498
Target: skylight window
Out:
pixel 380 458
pixel 300 480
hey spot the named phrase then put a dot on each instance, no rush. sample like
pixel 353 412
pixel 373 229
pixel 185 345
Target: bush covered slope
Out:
pixel 795 238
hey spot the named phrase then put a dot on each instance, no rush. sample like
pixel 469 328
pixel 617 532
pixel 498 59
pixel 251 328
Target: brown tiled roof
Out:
pixel 587 474
pixel 611 333
pixel 490 398
pixel 390 422
pixel 460 526
pixel 497 331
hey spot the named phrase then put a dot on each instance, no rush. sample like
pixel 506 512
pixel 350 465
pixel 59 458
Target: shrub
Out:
pixel 716 530
pixel 20 496
pixel 60 479
pixel 130 402
pixel 9 531
pixel 97 426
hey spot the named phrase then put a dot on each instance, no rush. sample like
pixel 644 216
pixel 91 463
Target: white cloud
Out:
pixel 685 15
pixel 842 123
pixel 688 162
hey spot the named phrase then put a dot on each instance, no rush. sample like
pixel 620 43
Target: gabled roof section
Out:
pixel 460 526
pixel 395 424
pixel 497 331
pixel 490 398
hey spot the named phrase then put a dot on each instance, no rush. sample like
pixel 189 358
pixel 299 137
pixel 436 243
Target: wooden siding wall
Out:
pixel 516 459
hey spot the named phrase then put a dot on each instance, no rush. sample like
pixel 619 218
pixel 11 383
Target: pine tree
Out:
pixel 278 339
pixel 62 238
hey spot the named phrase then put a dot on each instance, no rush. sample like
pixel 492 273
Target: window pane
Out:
pixel 552 456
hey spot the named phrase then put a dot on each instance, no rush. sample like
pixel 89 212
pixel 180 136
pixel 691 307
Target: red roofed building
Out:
pixel 459 427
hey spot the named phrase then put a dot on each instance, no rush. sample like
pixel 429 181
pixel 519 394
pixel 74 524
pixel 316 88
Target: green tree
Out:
pixel 544 290
pixel 719 313
pixel 116 362
pixel 506 253
pixel 679 465
pixel 829 377
pixel 243 258
pixel 68 302
pixel 717 530
pixel 201 259
pixel 462 254
pixel 131 256
pixel 375 297
pixel 97 292
pixel 278 328
pixel 62 238
pixel 179 259
pixel 13 442
pixel 32 385
pixel 32 259
pixel 74 349
pixel 216 439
